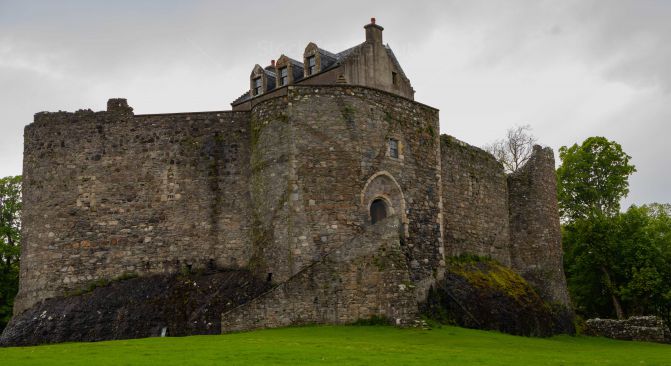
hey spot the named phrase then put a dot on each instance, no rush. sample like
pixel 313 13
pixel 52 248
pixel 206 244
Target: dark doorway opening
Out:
pixel 378 210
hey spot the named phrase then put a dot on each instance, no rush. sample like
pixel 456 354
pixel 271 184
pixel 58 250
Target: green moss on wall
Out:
pixel 481 293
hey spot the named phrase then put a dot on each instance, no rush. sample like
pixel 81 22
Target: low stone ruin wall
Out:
pixel 636 328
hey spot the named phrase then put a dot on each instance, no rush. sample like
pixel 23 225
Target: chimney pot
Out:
pixel 272 62
pixel 373 32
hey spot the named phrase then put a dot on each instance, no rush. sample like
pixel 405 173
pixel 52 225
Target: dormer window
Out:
pixel 312 65
pixel 284 76
pixel 258 86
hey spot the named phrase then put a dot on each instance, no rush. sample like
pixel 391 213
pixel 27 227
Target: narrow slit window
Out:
pixel 393 148
pixel 394 78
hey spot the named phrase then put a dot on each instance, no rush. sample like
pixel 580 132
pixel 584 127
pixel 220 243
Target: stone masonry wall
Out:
pixel 535 234
pixel 285 190
pixel 636 328
pixel 367 277
pixel 272 181
pixel 475 202
pixel 313 154
pixel 110 193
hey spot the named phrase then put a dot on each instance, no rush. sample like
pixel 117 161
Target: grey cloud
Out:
pixel 168 56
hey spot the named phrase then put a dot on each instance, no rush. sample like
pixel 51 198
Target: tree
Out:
pixel 10 239
pixel 620 265
pixel 617 263
pixel 658 209
pixel 592 257
pixel 649 289
pixel 515 150
pixel 592 179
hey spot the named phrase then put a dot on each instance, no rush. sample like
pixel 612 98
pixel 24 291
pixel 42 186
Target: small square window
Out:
pixel 312 65
pixel 284 76
pixel 393 148
pixel 258 86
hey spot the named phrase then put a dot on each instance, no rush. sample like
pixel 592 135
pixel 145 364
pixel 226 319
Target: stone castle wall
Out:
pixel 110 193
pixel 535 232
pixel 475 202
pixel 511 218
pixel 316 170
pixel 278 189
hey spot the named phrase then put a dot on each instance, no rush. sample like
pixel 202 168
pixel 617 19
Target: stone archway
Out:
pixel 382 192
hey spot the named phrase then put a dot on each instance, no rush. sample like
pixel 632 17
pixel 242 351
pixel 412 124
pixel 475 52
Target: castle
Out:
pixel 326 179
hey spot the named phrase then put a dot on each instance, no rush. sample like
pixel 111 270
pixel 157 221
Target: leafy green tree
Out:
pixel 592 179
pixel 616 263
pixel 10 239
pixel 620 265
pixel 648 240
pixel 592 255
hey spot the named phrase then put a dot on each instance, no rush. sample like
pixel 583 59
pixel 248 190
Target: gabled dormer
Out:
pixel 316 60
pixel 288 71
pixel 261 81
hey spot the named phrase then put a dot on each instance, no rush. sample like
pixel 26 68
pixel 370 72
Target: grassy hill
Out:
pixel 347 345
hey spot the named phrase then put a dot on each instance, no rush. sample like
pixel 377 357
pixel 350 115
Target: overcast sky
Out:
pixel 570 69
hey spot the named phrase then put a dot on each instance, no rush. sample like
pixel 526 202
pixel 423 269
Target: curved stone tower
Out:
pixel 320 158
pixel 535 234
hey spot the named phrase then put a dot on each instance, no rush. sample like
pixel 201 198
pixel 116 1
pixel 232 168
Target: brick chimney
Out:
pixel 373 32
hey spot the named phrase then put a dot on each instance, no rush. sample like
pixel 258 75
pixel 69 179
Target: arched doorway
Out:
pixel 378 210
pixel 382 197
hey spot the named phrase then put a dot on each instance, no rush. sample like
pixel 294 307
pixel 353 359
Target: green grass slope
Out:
pixel 347 345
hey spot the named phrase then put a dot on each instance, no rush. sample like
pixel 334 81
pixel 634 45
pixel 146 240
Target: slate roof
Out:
pixel 329 61
pixel 243 98
pixel 346 53
pixel 270 77
pixel 297 69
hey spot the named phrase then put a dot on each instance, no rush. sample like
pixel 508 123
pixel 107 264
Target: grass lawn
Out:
pixel 347 345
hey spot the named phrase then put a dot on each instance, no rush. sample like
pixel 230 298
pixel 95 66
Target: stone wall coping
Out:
pixel 62 116
pixel 188 113
pixel 41 115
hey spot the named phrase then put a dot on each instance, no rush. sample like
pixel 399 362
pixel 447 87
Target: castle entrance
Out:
pixel 378 210
pixel 382 197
